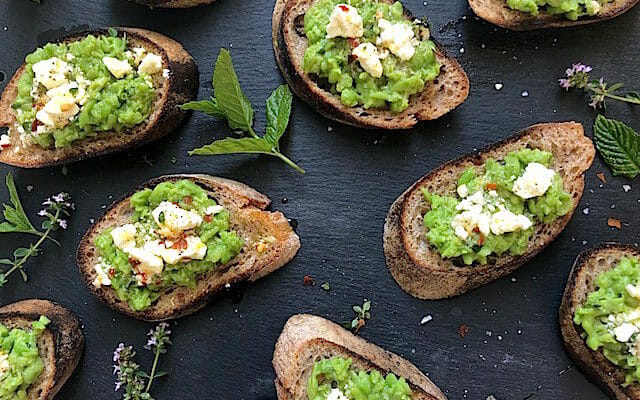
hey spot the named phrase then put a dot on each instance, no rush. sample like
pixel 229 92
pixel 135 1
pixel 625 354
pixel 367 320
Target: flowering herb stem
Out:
pixel 578 76
pixel 152 375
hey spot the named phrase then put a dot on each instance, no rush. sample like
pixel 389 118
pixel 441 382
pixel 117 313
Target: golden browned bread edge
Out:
pixel 449 90
pixel 248 214
pixel 498 13
pixel 581 282
pixel 432 277
pixel 63 331
pixel 182 86
pixel 304 332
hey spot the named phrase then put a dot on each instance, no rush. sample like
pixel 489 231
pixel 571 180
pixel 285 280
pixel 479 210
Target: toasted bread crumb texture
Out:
pixel 306 339
pixel 497 12
pixel 180 87
pixel 587 267
pixel 439 97
pixel 60 345
pixel 248 219
pixel 420 270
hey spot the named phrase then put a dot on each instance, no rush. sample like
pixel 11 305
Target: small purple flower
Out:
pixel 116 353
pixel 62 223
pixel 118 386
pixel 42 213
pixel 47 202
pixel 152 341
pixel 60 197
pixel 565 84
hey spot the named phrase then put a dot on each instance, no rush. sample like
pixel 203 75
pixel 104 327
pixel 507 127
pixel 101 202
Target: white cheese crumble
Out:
pixel 51 73
pixel 5 141
pixel 148 264
pixel 624 332
pixel 102 274
pixel 213 210
pixel 534 182
pixel 345 22
pixel 634 291
pixel 336 394
pixel 471 217
pixel 173 220
pixel 505 221
pixel 150 64
pixel 463 191
pixel 185 250
pixel 367 55
pixel 398 38
pixel 118 68
pixel 4 364
pixel 124 237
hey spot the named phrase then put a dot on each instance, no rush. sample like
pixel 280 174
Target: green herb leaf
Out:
pixel 229 95
pixel 209 107
pixel 6 261
pixel 232 146
pixel 325 286
pixel 161 373
pixel 619 145
pixel 633 96
pixel 2 279
pixel 16 218
pixel 278 112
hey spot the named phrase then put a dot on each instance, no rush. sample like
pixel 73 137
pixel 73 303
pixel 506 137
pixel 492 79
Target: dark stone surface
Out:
pixel 513 350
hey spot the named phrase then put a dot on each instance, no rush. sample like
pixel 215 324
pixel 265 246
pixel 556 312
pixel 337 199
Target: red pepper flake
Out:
pixel 180 244
pixel 476 229
pixel 353 42
pixel 481 240
pixel 134 262
pixel 308 280
pixel 35 124
pixel 352 58
pixel 463 330
pixel 344 8
pixel 207 218
pixel 112 272
pixel 188 200
pixel 5 146
pixel 492 186
pixel 614 223
pixel 601 176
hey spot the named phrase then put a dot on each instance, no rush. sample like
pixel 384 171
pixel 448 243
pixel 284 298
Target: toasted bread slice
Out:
pixel 174 3
pixel 306 339
pixel 589 264
pixel 449 90
pixel 419 269
pixel 60 345
pixel 248 218
pixel 180 87
pixel 498 13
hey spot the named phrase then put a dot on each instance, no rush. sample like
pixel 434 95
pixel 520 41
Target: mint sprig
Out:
pixel 619 145
pixel 230 102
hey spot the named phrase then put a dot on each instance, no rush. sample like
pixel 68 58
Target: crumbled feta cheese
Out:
pixel 369 59
pixel 5 140
pixel 213 210
pixel 51 72
pixel 4 363
pixel 534 182
pixel 124 237
pixel 102 274
pixel 505 221
pixel 336 394
pixel 148 263
pixel 166 73
pixel 624 332
pixel 150 64
pixel 70 56
pixel 397 38
pixel 183 250
pixel 58 111
pixel 118 68
pixel 465 222
pixel 634 291
pixel 345 22
pixel 173 220
pixel 138 55
pixel 463 191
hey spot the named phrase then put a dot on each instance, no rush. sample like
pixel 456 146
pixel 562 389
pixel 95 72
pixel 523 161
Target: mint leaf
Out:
pixel 229 95
pixel 634 96
pixel 209 107
pixel 278 112
pixel 233 146
pixel 619 145
pixel 16 218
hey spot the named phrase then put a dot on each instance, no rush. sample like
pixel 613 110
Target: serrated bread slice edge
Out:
pixel 248 218
pixel 420 270
pixel 306 339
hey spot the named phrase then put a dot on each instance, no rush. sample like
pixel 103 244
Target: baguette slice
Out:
pixel 589 264
pixel 174 3
pixel 60 345
pixel 419 269
pixel 306 339
pixel 449 90
pixel 498 13
pixel 180 87
pixel 248 218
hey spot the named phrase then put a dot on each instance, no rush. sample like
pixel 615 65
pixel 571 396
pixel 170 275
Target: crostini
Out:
pixel 477 218
pixel 600 318
pixel 40 346
pixel 167 248
pixel 94 93
pixel 367 63
pixel 525 15
pixel 316 359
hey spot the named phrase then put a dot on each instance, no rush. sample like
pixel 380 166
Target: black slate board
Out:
pixel 513 350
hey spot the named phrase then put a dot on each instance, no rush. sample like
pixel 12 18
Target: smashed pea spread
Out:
pixel 72 91
pixel 610 317
pixel 368 52
pixel 20 361
pixel 336 379
pixel 571 9
pixel 495 212
pixel 176 234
